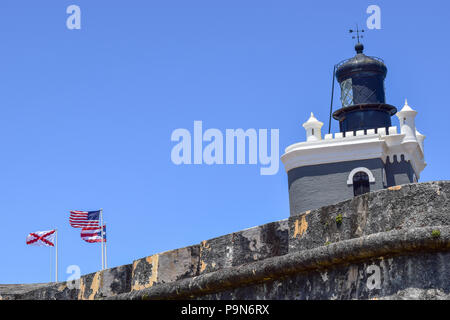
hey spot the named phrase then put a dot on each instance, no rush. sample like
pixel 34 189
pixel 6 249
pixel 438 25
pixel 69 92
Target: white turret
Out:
pixel 313 129
pixel 406 117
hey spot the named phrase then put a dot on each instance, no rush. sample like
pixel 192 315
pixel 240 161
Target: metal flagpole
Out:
pixel 56 254
pixel 51 262
pixel 106 258
pixel 101 225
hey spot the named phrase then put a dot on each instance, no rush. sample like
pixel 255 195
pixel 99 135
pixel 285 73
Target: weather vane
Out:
pixel 358 36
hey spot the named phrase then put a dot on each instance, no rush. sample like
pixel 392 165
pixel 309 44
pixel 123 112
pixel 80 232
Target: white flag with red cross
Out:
pixel 42 238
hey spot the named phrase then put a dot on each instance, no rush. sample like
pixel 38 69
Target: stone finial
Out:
pixel 313 129
pixel 406 110
pixel 406 116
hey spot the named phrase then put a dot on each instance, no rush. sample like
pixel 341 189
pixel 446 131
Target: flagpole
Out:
pixel 51 262
pixel 56 254
pixel 101 225
pixel 106 259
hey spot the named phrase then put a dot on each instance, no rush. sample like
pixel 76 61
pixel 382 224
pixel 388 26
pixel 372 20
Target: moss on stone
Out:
pixel 435 233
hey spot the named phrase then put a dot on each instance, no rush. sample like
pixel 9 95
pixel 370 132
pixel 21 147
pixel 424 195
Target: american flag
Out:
pixel 93 234
pixel 42 238
pixel 81 219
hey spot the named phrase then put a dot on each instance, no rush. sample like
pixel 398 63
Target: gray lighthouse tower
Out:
pixel 367 154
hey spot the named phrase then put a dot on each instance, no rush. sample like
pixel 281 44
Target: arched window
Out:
pixel 360 183
pixel 360 178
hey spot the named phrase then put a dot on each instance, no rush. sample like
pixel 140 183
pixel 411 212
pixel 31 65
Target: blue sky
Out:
pixel 87 115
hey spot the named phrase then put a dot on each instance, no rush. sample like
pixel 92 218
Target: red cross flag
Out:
pixel 42 238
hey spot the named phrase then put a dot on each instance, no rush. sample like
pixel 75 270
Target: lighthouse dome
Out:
pixel 360 63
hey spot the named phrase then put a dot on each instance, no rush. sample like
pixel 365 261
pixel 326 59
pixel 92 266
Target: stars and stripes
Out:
pixel 82 219
pixel 42 238
pixel 93 234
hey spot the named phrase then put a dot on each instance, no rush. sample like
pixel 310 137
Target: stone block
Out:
pixel 165 267
pixel 105 283
pixel 245 246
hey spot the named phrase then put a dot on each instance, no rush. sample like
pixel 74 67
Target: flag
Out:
pixel 81 219
pixel 42 238
pixel 93 234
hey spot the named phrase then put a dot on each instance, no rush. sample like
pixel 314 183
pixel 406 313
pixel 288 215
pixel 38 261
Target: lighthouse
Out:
pixel 368 153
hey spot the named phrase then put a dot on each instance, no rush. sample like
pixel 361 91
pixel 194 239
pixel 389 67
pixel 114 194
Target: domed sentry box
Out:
pixel 362 93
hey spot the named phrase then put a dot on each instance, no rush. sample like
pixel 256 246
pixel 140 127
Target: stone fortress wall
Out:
pixel 388 244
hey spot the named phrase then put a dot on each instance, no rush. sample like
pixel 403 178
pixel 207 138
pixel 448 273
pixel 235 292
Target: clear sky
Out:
pixel 87 115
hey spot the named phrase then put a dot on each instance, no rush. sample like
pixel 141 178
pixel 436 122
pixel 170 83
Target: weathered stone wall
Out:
pixel 423 276
pixel 92 286
pixel 400 207
pixel 343 266
pixel 392 243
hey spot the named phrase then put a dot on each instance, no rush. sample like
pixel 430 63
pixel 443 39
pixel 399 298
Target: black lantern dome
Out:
pixel 362 93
